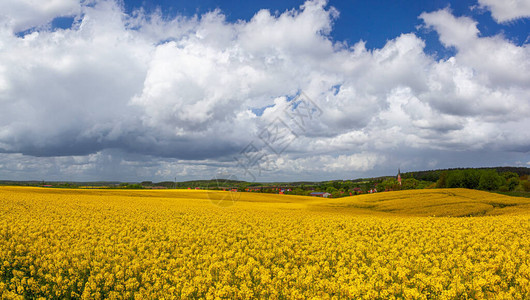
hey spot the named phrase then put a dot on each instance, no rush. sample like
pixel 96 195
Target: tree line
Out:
pixel 488 180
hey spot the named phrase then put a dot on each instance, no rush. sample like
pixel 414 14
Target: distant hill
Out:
pixel 428 175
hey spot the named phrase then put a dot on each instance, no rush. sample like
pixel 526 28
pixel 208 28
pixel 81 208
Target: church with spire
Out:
pixel 399 176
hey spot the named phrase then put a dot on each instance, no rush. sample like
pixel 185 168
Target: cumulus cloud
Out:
pixel 494 59
pixel 20 15
pixel 505 11
pixel 153 96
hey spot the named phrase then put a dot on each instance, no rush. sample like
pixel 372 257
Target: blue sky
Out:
pixel 372 21
pixel 263 90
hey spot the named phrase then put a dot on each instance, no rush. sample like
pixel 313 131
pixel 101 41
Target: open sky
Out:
pixel 262 90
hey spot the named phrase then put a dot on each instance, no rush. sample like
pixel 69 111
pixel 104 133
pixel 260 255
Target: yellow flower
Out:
pixel 95 244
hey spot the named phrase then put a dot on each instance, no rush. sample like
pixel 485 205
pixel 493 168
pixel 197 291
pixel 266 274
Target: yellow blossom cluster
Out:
pixel 98 244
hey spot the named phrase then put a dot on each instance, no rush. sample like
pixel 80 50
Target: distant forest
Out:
pixel 434 175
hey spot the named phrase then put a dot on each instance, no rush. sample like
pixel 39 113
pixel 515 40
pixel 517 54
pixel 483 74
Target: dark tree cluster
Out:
pixel 481 179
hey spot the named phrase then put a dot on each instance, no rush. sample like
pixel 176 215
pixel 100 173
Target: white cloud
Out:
pixel 24 14
pixel 505 11
pixel 176 95
pixel 354 162
pixel 494 59
pixel 453 31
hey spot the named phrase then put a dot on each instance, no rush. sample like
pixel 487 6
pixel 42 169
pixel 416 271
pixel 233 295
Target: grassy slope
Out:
pixel 429 202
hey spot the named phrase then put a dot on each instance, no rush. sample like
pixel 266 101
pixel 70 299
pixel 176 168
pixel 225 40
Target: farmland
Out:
pixel 148 244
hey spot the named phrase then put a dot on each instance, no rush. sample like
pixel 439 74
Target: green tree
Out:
pixel 455 179
pixel 442 181
pixel 367 186
pixel 337 184
pixel 388 184
pixel 508 175
pixel 526 186
pixel 490 180
pixel 409 184
pixel 512 183
pixel 331 190
pixel 471 179
pixel 298 191
pixel 336 194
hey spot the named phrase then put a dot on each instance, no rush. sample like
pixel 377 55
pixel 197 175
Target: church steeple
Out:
pixel 399 176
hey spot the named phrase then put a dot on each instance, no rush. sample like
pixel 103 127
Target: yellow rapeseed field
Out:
pixel 173 244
